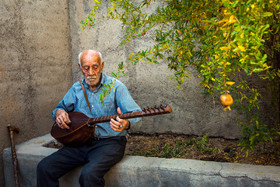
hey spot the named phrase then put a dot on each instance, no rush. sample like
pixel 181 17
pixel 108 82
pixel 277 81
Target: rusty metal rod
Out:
pixel 11 130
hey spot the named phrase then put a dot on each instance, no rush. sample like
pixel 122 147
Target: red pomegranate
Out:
pixel 226 100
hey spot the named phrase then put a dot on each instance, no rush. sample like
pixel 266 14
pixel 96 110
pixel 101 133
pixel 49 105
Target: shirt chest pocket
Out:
pixel 109 106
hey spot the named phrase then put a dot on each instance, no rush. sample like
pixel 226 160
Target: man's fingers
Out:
pixel 58 121
pixel 118 124
pixel 64 126
pixel 115 125
pixel 65 118
pixel 119 110
pixel 68 119
pixel 62 120
pixel 119 119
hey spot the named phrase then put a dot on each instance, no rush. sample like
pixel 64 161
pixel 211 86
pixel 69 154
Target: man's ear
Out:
pixel 79 66
pixel 102 65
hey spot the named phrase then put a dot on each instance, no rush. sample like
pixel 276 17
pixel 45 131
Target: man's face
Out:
pixel 91 67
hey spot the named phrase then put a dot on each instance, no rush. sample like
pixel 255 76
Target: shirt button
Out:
pixel 92 106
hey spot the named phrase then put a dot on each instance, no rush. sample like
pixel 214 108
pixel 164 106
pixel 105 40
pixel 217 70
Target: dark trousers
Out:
pixel 97 156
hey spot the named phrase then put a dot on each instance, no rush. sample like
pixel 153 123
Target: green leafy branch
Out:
pixel 226 41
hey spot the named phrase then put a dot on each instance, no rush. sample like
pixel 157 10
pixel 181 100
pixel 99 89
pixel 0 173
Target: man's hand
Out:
pixel 119 124
pixel 62 119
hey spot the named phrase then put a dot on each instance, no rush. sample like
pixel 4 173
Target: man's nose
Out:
pixel 91 71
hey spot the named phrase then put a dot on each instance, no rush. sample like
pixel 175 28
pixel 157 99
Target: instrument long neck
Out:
pixel 122 116
pixel 146 112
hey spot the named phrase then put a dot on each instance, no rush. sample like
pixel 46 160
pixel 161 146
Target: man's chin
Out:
pixel 92 82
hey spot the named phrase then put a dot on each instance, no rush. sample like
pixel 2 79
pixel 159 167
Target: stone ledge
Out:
pixel 145 171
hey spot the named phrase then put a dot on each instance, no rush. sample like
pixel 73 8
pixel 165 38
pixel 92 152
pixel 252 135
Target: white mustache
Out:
pixel 91 77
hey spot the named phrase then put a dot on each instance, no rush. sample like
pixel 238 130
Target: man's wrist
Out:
pixel 58 112
pixel 128 125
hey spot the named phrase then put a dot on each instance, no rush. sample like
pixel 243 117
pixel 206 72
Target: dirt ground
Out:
pixel 201 148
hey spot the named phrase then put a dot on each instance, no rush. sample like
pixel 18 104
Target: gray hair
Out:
pixel 80 54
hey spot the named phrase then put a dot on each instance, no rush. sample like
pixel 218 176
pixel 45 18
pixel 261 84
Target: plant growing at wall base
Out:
pixel 201 144
pixel 226 41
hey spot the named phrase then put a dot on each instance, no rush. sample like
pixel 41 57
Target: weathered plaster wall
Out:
pixel 150 83
pixel 35 66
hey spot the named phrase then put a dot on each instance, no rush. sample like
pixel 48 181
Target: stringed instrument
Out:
pixel 82 127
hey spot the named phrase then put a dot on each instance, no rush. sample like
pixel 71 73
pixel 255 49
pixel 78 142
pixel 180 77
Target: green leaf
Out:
pixel 114 75
pixel 267 14
pixel 257 70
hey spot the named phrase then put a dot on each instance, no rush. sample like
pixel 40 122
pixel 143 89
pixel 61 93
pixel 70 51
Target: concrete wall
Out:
pixel 35 66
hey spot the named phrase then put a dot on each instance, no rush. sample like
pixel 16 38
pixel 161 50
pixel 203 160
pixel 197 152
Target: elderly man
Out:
pixel 107 146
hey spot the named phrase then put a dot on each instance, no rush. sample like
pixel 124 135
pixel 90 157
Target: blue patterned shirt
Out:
pixel 74 100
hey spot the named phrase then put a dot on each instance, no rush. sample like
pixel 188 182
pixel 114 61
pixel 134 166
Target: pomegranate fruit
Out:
pixel 226 100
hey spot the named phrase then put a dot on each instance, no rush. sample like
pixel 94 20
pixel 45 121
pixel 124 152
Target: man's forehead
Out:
pixel 91 64
pixel 91 58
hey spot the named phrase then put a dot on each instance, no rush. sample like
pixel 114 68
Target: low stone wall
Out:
pixel 139 171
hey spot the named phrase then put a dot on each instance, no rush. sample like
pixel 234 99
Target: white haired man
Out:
pixel 107 146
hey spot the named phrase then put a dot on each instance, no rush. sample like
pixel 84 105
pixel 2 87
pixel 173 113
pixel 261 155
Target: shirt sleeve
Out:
pixel 126 102
pixel 67 102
